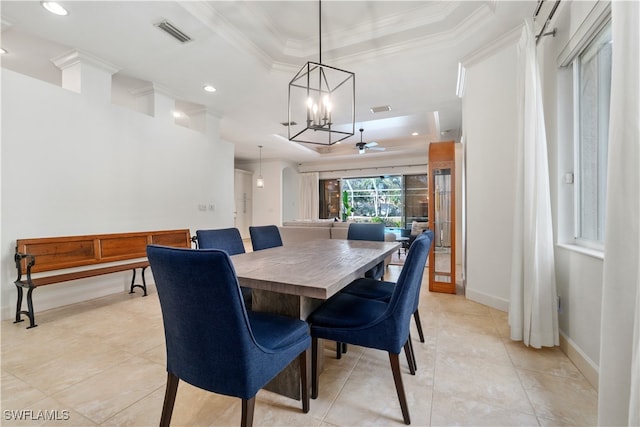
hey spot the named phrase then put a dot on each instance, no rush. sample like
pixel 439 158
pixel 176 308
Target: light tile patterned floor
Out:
pixel 101 362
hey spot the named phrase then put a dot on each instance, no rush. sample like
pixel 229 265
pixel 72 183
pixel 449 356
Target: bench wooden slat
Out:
pixel 58 278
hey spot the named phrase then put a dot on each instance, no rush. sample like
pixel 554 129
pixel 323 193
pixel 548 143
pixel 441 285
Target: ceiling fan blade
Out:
pixel 376 148
pixel 371 144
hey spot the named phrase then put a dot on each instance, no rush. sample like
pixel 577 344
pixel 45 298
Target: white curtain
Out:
pixel 533 315
pixel 619 370
pixel 309 195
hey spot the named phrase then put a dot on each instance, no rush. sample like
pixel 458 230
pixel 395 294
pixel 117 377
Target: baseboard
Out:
pixel 582 362
pixel 486 299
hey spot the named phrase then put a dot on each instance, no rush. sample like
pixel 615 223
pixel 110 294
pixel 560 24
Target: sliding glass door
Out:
pixel 395 200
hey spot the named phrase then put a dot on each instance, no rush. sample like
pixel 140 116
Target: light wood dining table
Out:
pixel 293 280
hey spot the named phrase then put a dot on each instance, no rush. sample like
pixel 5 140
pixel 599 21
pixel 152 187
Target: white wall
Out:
pixel 73 166
pixel 490 128
pixel 268 202
pixel 290 193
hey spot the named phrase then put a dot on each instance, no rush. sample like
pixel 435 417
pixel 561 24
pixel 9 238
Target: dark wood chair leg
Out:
pixel 169 399
pixel 248 405
pixel 416 317
pixel 397 378
pixel 341 347
pixel 315 371
pixel 413 355
pixel 304 379
pixel 408 351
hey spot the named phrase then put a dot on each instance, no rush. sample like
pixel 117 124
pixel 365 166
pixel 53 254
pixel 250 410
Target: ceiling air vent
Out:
pixel 173 31
pixel 381 109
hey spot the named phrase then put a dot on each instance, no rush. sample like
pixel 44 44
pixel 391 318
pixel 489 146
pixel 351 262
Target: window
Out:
pixel 592 90
pixel 394 200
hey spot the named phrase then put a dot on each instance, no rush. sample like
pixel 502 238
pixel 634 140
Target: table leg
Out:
pixel 287 383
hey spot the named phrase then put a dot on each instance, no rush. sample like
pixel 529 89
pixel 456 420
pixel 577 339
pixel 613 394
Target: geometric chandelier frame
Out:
pixel 322 101
pixel 321 105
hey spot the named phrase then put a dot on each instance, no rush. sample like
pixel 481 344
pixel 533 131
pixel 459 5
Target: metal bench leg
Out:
pixel 30 313
pixel 19 305
pixel 134 285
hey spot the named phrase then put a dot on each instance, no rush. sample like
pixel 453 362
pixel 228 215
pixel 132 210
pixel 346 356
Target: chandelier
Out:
pixel 321 101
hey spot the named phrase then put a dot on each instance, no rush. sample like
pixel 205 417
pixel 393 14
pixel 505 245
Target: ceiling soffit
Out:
pixel 251 27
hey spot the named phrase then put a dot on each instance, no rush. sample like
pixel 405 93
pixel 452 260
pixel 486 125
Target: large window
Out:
pixel 592 90
pixel 394 200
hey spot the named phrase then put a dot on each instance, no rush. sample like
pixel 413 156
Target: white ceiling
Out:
pixel 404 54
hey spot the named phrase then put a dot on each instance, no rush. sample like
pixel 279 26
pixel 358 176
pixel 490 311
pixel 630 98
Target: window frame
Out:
pixel 576 64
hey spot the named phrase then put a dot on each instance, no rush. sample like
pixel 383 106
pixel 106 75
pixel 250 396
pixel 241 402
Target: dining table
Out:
pixel 294 279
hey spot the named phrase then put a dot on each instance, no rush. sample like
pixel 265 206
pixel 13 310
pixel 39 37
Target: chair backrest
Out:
pixel 227 239
pixel 429 234
pixel 265 237
pixel 368 231
pixel 208 336
pixel 405 294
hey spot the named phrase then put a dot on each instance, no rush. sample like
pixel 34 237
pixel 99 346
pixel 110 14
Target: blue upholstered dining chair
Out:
pixel 373 232
pixel 368 288
pixel 265 237
pixel 362 231
pixel 227 239
pixel 371 323
pixel 212 341
pixel 230 241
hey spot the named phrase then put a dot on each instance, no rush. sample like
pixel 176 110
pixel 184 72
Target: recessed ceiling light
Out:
pixel 3 50
pixel 209 88
pixel 415 134
pixel 177 114
pixel 54 7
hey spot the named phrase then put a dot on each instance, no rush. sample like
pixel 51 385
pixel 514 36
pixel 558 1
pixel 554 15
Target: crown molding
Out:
pixel 509 38
pixel 152 89
pixel 215 21
pixel 74 57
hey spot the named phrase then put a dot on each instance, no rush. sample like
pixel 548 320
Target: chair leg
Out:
pixel 341 347
pixel 248 405
pixel 304 379
pixel 397 378
pixel 416 317
pixel 408 351
pixel 315 371
pixel 413 354
pixel 169 399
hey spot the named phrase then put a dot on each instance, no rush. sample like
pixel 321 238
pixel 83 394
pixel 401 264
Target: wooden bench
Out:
pixel 88 256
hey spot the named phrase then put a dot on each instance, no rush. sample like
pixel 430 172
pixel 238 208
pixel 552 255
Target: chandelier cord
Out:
pixel 320 29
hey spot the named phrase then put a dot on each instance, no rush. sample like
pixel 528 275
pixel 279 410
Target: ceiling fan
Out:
pixel 363 147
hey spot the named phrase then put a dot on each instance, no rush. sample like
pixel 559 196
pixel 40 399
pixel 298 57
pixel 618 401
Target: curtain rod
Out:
pixel 546 22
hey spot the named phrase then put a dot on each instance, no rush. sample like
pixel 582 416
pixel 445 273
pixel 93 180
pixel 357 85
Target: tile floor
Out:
pixel 102 362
